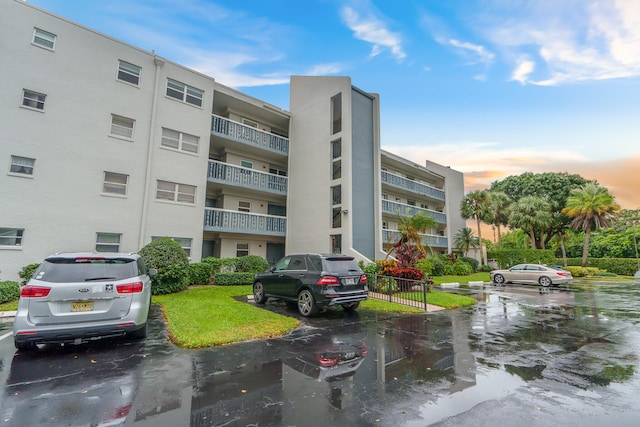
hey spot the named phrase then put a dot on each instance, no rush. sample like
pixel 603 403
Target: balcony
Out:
pixel 248 135
pixel 238 176
pixel 411 185
pixel 429 240
pixel 227 221
pixel 395 208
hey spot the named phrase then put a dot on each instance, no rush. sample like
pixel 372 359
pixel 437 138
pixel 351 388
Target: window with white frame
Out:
pixel 179 141
pixel 11 236
pixel 22 165
pixel 122 127
pixel 184 242
pixel 244 206
pixel 184 93
pixel 115 183
pixel 242 249
pixel 128 72
pixel 108 242
pixel 31 99
pixel 174 192
pixel 44 39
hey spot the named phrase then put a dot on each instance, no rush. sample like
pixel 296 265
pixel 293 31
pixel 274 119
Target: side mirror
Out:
pixel 152 272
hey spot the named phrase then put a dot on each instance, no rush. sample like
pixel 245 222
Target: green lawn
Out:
pixel 475 277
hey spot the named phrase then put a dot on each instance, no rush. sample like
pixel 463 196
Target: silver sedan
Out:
pixel 532 274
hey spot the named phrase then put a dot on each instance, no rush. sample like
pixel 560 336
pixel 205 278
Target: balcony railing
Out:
pixel 223 220
pixel 249 135
pixel 225 173
pixel 402 209
pixel 411 185
pixel 427 239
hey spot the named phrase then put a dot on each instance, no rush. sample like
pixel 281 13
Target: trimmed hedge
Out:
pixel 510 257
pixel 471 261
pixel 227 265
pixel 231 279
pixel 168 257
pixel 200 273
pixel 621 266
pixel 9 291
pixel 27 271
pixel 251 264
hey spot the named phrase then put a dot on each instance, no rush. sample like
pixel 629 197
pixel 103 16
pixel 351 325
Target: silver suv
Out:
pixel 80 297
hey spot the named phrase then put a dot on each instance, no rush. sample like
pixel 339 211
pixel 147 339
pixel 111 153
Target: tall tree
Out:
pixel 533 215
pixel 590 207
pixel 500 204
pixel 476 205
pixel 410 228
pixel 465 240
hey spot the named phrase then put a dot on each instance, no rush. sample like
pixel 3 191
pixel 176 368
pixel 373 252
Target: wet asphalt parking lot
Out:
pixel 521 357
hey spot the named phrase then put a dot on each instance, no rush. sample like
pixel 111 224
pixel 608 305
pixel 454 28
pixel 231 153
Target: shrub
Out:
pixel 251 264
pixel 370 270
pixel 385 266
pixel 471 261
pixel 426 266
pixel 200 273
pixel 620 266
pixel 229 279
pixel 221 264
pixel 457 268
pixel 577 271
pixel 171 262
pixel 485 268
pixel 26 272
pixel 9 291
pixel 438 266
pixel 385 285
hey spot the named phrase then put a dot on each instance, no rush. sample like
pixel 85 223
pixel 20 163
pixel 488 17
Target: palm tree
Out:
pixel 464 240
pixel 591 207
pixel 500 204
pixel 531 214
pixel 476 205
pixel 410 228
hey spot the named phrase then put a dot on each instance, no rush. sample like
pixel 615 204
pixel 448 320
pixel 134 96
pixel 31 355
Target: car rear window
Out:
pixel 341 265
pixel 60 270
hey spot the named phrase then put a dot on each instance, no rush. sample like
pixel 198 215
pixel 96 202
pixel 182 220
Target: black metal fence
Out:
pixel 402 291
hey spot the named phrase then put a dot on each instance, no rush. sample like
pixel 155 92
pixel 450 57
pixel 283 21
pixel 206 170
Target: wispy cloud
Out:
pixel 479 53
pixel 373 30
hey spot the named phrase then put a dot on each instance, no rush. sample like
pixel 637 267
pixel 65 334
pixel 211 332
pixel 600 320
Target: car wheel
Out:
pixel 306 303
pixel 498 279
pixel 544 281
pixel 25 346
pixel 140 333
pixel 352 306
pixel 258 293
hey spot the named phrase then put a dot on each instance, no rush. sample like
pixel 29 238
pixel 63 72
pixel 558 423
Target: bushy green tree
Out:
pixel 171 262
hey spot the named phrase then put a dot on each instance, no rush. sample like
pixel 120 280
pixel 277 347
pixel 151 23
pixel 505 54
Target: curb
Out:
pixel 5 314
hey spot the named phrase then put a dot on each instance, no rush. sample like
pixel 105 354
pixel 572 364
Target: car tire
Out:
pixel 25 346
pixel 544 281
pixel 498 279
pixel 140 333
pixel 258 293
pixel 306 303
pixel 351 306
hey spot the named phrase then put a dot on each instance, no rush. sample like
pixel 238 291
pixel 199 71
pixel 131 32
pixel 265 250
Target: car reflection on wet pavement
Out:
pixel 520 357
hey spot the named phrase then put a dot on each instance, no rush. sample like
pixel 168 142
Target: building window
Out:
pixel 336 195
pixel 336 113
pixel 275 171
pixel 128 72
pixel 108 242
pixel 385 225
pixel 336 243
pixel 336 214
pixel 336 148
pixel 249 123
pixel 184 242
pixel 336 172
pixel 244 206
pixel 44 39
pixel 184 93
pixel 180 141
pixel 115 183
pixel 122 127
pixel 385 196
pixel 174 192
pixel 22 165
pixel 31 99
pixel 11 236
pixel 242 249
pixel 411 202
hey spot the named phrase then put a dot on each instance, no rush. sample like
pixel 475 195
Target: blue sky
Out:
pixel 489 87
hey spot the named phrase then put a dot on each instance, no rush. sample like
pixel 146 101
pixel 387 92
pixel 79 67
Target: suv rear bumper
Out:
pixel 76 335
pixel 346 299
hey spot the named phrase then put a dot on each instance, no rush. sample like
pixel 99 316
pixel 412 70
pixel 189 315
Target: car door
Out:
pixel 274 282
pixel 534 272
pixel 517 273
pixel 296 275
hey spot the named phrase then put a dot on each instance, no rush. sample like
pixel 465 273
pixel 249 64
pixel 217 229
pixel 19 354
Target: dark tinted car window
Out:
pixel 341 265
pixel 282 264
pixel 60 270
pixel 315 263
pixel 297 263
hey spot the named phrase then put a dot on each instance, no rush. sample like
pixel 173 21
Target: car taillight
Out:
pixel 130 288
pixel 34 291
pixel 363 278
pixel 328 280
pixel 327 361
pixel 561 273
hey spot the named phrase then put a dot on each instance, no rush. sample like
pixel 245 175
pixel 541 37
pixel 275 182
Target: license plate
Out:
pixel 81 306
pixel 350 355
pixel 350 281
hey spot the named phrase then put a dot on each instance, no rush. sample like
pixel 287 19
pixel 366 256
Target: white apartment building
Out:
pixel 106 146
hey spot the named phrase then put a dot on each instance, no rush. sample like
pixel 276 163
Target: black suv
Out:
pixel 313 281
